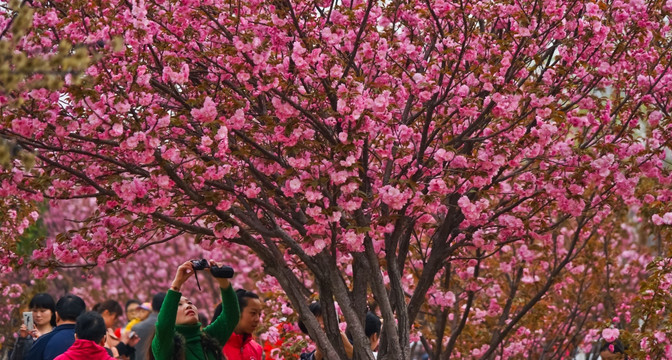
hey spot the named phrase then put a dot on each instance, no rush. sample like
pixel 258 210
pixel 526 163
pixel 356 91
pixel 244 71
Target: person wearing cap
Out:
pixel 140 312
pixel 145 328
pixel 131 307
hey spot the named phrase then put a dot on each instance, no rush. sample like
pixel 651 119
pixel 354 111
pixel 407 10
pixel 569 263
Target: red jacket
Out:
pixel 85 350
pixel 238 349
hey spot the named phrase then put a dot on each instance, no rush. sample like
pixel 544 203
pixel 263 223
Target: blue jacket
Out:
pixel 52 344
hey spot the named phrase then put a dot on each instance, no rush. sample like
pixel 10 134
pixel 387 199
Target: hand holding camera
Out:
pixel 223 272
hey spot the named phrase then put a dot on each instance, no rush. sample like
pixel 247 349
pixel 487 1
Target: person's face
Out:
pixel 142 314
pixel 110 319
pixel 375 339
pixel 41 316
pixel 132 311
pixel 187 313
pixel 249 317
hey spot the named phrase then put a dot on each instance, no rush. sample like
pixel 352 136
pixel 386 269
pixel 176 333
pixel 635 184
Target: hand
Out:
pixel 134 340
pixel 112 340
pixel 223 283
pixel 35 333
pixel 23 331
pixel 347 346
pixel 184 271
pixel 127 339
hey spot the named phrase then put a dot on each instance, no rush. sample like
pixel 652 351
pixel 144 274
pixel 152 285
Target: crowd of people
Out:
pixel 170 327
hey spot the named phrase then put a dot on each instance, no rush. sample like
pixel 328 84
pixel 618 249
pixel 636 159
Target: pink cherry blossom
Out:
pixel 471 171
pixel 610 334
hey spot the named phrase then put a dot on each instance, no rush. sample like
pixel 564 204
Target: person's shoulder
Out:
pixel 144 323
pixel 256 346
pixel 42 339
pixel 308 356
pixel 62 333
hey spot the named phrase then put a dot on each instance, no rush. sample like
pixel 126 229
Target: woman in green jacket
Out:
pixel 178 332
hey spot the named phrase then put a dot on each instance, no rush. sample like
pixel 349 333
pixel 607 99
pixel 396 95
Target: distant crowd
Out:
pixel 170 327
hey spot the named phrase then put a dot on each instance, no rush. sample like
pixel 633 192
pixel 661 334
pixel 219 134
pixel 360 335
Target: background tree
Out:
pixel 26 65
pixel 463 168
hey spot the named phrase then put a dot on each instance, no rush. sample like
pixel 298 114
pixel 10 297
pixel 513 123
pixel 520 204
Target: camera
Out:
pixel 200 264
pixel 225 271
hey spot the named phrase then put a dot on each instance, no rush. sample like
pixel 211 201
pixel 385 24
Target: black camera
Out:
pixel 225 271
pixel 200 264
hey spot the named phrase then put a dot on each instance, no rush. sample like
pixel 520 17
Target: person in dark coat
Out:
pixel 50 345
pixel 90 333
pixel 43 307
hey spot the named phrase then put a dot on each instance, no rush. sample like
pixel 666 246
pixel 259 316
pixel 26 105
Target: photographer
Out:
pixel 43 308
pixel 178 332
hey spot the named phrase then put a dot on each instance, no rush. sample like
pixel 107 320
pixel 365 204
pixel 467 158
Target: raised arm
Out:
pixel 227 320
pixel 162 344
pixel 222 328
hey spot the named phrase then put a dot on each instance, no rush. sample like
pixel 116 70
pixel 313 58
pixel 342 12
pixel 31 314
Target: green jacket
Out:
pixel 220 329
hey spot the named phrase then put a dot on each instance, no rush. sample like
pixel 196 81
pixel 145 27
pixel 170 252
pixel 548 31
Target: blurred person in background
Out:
pixel 57 341
pixel 131 313
pixel 43 307
pixel 120 345
pixel 145 329
pixel 241 345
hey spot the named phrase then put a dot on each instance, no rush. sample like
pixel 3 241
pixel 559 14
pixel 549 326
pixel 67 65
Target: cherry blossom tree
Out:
pixel 146 272
pixel 140 275
pixel 476 172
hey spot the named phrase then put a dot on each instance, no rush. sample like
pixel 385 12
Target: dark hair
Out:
pixel 112 306
pixel 44 301
pixel 69 307
pixel 208 344
pixel 157 301
pixel 314 308
pixel 203 319
pixel 372 324
pixel 131 301
pixel 90 326
pixel 243 295
pixel 216 312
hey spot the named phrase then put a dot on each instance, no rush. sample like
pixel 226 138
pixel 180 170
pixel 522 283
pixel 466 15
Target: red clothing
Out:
pixel 237 348
pixel 85 350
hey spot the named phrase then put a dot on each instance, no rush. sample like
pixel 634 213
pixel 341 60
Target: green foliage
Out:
pixel 31 239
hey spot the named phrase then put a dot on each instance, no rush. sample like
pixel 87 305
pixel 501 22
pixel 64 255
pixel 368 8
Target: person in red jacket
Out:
pixel 241 345
pixel 90 333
